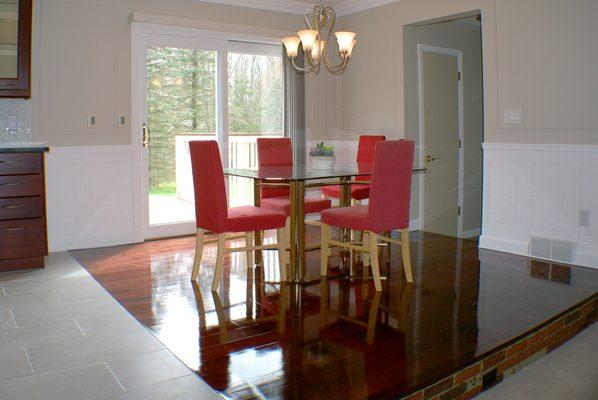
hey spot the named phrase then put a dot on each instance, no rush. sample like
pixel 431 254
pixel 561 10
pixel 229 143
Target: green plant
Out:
pixel 321 151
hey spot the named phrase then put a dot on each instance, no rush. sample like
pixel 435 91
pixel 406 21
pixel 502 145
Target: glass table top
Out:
pixel 304 172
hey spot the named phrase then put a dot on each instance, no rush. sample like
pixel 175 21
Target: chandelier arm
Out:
pixel 301 69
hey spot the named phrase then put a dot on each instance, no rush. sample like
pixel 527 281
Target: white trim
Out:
pixel 472 233
pixel 285 6
pixel 348 7
pixel 421 48
pixel 540 147
pixel 298 7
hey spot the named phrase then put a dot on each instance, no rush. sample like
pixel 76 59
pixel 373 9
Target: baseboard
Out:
pixel 471 233
pixel 582 258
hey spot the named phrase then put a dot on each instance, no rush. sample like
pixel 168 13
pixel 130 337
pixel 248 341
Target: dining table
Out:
pixel 299 178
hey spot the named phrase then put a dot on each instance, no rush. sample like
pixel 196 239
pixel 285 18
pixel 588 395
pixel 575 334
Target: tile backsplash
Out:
pixel 15 120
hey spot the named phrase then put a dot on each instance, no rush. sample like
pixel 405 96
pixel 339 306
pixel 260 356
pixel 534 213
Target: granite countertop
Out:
pixel 23 147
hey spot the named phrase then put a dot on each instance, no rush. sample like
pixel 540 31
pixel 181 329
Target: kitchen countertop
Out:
pixel 24 147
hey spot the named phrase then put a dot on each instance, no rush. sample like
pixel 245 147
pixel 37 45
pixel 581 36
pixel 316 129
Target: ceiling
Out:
pixel 342 7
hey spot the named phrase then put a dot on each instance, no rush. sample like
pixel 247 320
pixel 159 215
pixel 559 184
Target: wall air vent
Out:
pixel 551 249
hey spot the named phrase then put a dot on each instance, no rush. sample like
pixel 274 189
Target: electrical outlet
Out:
pixel 584 218
pixel 514 116
pixel 122 120
pixel 91 121
pixel 473 383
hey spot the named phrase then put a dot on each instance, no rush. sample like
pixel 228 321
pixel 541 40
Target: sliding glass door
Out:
pixel 200 89
pixel 255 108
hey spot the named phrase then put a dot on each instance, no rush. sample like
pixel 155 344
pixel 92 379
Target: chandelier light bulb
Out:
pixel 308 38
pixel 345 41
pixel 291 43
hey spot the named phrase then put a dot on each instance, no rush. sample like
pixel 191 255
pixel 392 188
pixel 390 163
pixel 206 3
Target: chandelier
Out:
pixel 314 40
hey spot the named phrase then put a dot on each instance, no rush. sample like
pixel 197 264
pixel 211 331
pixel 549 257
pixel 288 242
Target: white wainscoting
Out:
pixel 89 197
pixel 532 189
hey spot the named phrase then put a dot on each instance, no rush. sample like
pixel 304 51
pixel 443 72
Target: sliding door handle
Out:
pixel 146 136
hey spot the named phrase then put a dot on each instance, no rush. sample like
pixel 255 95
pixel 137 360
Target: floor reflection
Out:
pixel 336 338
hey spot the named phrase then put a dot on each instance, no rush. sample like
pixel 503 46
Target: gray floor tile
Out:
pixel 40 335
pixel 6 320
pixel 41 284
pixel 14 364
pixel 147 369
pixel 569 372
pixel 87 290
pixel 91 350
pixel 189 387
pixel 74 384
pixel 114 324
pixel 26 300
pixel 56 312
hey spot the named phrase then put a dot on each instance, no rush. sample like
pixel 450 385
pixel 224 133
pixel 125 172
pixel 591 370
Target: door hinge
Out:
pixel 458 210
pixel 459 75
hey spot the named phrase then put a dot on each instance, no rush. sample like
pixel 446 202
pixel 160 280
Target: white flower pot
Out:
pixel 322 162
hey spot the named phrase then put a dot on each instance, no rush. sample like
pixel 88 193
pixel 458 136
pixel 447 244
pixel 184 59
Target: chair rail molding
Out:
pixel 89 196
pixel 539 190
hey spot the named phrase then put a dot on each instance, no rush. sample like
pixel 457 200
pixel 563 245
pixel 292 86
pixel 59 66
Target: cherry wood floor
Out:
pixel 336 338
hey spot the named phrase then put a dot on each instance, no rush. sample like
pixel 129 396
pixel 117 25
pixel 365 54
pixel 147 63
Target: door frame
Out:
pixel 142 35
pixel 421 49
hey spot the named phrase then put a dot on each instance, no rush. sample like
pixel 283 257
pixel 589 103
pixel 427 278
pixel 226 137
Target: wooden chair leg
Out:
pixel 366 256
pixel 198 253
pixel 324 251
pixel 219 261
pixel 249 253
pixel 373 240
pixel 406 255
pixel 280 241
pixel 287 240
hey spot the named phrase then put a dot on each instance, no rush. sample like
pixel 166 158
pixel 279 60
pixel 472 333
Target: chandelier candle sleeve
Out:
pixel 308 37
pixel 291 43
pixel 345 41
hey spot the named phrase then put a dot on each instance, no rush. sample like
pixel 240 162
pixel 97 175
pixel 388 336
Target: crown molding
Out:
pixel 298 7
pixel 348 7
pixel 286 6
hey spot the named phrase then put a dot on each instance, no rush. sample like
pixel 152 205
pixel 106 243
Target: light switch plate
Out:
pixel 513 116
pixel 91 121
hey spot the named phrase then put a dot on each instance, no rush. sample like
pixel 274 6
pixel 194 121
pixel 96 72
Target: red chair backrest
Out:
pixel 365 151
pixel 211 209
pixel 390 190
pixel 274 152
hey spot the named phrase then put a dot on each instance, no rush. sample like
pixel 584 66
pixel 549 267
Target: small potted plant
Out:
pixel 322 157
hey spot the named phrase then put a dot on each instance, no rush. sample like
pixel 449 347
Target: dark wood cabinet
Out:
pixel 23 235
pixel 15 46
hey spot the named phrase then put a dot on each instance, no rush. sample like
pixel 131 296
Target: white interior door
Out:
pixel 441 126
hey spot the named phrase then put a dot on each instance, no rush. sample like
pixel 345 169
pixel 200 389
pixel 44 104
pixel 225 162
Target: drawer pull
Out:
pixel 11 207
pixel 10 184
pixel 9 161
pixel 15 229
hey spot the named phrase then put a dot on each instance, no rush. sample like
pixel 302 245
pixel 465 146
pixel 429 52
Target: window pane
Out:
pixel 255 109
pixel 181 106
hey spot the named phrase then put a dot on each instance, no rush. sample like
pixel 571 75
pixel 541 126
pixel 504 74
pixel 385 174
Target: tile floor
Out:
pixel 63 337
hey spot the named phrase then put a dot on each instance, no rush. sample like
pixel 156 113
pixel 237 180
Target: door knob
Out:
pixel 429 158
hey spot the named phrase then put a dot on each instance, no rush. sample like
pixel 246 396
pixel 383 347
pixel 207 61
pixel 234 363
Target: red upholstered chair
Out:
pixel 388 208
pixel 212 213
pixel 365 155
pixel 279 152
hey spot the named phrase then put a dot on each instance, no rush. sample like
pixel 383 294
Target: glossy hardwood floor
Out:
pixel 336 338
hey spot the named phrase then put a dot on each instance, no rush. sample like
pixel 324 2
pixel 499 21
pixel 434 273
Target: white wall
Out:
pixel 82 59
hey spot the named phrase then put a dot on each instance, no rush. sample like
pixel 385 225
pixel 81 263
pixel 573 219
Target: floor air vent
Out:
pixel 551 249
